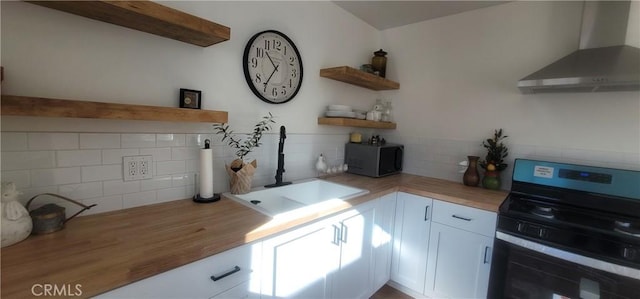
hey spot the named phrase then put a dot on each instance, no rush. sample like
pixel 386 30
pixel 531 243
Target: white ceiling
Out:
pixel 388 14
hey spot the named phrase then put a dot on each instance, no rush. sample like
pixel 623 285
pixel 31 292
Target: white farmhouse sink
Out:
pixel 295 197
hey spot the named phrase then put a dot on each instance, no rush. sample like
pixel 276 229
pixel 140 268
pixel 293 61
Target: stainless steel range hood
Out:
pixel 603 62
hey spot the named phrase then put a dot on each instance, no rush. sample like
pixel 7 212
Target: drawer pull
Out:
pixel 460 217
pixel 234 270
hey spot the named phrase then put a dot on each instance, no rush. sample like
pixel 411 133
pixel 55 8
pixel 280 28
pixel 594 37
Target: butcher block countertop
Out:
pixel 105 251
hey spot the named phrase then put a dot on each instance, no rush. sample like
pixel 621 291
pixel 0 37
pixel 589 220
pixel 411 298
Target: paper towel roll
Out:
pixel 206 173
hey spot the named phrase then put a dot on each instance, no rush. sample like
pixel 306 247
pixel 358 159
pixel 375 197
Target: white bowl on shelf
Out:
pixel 339 108
pixel 347 114
pixel 360 114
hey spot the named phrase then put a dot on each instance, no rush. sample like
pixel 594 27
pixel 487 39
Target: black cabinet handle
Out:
pixel 343 233
pixel 426 213
pixel 460 217
pixel 336 235
pixel 234 270
pixel 486 251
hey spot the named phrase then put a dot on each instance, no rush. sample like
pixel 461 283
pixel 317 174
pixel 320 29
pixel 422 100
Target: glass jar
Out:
pixel 387 112
pixel 378 110
pixel 379 62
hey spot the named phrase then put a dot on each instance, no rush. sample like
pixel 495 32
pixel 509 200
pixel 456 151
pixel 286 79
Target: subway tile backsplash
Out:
pixel 99 141
pixel 88 166
pixel 138 140
pixel 439 158
pixel 52 141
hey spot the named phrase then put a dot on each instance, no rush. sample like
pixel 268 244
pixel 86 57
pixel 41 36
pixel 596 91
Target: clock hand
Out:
pixel 274 65
pixel 267 82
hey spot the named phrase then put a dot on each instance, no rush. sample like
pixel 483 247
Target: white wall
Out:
pixel 54 54
pixel 457 75
pixel 458 79
pixel 633 29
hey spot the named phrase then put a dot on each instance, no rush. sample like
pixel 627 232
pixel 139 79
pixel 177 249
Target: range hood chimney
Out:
pixel 602 63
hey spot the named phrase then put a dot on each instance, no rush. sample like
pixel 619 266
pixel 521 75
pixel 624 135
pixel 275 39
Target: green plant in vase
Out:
pixel 494 160
pixel 240 172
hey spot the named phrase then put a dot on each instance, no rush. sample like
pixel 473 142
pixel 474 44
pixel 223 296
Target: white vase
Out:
pixel 16 222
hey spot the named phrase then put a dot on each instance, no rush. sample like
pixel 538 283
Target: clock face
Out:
pixel 272 67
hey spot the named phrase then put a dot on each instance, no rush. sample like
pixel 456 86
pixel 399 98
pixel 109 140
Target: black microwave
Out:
pixel 373 160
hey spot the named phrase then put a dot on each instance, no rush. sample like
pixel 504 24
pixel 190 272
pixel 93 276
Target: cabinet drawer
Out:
pixel 241 291
pixel 463 217
pixel 229 269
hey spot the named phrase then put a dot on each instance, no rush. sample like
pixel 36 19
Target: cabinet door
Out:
pixel 411 240
pixel 383 239
pixel 459 263
pixel 296 264
pixel 354 277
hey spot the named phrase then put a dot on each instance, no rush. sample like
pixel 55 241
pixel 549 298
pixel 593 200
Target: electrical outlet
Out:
pixel 131 167
pixel 143 167
pixel 137 167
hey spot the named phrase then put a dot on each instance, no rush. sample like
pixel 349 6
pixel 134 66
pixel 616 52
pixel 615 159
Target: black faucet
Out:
pixel 280 170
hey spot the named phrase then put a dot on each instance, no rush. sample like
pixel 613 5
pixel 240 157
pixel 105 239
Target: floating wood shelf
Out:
pixel 357 77
pixel 352 122
pixel 149 17
pixel 44 107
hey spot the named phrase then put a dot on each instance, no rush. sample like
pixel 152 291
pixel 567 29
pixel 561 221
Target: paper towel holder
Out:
pixel 199 199
pixel 214 198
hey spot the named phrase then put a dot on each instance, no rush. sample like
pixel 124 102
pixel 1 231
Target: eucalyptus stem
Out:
pixel 253 140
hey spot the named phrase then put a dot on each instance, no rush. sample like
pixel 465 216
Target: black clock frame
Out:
pixel 245 66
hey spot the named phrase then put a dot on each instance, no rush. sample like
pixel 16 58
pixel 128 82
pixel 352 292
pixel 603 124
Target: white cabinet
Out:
pixel 441 249
pixel 332 258
pixel 296 264
pixel 383 239
pixel 236 269
pixel 411 240
pixel 459 263
pixel 354 277
pixel 460 247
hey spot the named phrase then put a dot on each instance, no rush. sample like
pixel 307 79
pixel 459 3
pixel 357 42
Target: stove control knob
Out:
pixel 521 227
pixel 629 253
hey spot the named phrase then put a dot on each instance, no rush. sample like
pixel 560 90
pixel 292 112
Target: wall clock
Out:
pixel 272 67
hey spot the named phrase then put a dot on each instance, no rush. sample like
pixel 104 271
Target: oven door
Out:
pixel 525 269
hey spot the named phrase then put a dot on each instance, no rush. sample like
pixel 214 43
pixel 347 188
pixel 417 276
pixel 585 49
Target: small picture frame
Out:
pixel 190 98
